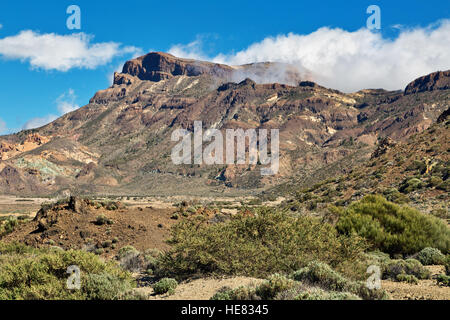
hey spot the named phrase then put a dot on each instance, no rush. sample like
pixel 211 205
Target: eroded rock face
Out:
pixel 434 81
pixel 157 66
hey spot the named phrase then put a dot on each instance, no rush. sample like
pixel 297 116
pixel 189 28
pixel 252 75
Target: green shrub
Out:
pixel 408 267
pixel 105 286
pixel 41 274
pixel 274 285
pixel 430 256
pixel 8 226
pixel 320 294
pixel 377 258
pixel 395 196
pixel 444 186
pixel 322 275
pixel 409 278
pixel 443 280
pixel 241 293
pixel 410 185
pixel 127 250
pixel 268 242
pixel 112 206
pixel 392 228
pixel 102 220
pixel 166 285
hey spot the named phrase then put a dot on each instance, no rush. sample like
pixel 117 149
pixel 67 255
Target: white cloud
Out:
pixel 345 60
pixel 39 122
pixel 1 26
pixel 66 102
pixel 192 50
pixel 3 127
pixel 51 51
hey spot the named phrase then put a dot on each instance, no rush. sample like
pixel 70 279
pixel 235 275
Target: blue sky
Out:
pixel 35 89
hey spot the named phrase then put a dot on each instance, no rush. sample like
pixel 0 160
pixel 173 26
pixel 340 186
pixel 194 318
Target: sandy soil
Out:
pixel 202 289
pixel 424 290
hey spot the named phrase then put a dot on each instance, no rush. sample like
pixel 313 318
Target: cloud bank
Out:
pixel 51 51
pixel 348 61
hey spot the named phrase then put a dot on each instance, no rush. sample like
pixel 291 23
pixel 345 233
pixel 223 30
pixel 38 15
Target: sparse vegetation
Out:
pixel 413 267
pixel 321 274
pixel 165 285
pixel 102 220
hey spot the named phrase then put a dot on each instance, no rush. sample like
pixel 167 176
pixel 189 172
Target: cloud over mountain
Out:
pixel 345 60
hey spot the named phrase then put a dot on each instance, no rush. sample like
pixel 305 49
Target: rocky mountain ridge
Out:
pixel 120 143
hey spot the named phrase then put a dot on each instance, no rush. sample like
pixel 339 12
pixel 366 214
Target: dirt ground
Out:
pixel 13 206
pixel 202 289
pixel 424 290
pixel 141 227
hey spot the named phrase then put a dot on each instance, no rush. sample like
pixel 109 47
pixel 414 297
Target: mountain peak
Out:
pixel 157 66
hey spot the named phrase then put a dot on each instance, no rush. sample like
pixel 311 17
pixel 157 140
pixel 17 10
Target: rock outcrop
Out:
pixel 434 81
pixel 157 66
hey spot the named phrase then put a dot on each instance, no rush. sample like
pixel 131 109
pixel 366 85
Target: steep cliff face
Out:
pixel 121 141
pixel 434 81
pixel 157 66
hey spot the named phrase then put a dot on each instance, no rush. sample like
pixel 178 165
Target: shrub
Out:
pixel 395 196
pixel 408 267
pixel 124 251
pixel 112 206
pixel 321 274
pixel 274 285
pixel 241 293
pixel 271 241
pixel 166 285
pixel 102 220
pixel 41 274
pixel 318 294
pixel 151 258
pixel 392 228
pixel 410 185
pixel 8 226
pixel 131 259
pixel 105 286
pixel 107 244
pixel 431 256
pixel 443 280
pixel 409 278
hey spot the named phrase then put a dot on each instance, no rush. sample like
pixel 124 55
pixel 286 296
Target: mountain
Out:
pixel 120 143
pixel 415 171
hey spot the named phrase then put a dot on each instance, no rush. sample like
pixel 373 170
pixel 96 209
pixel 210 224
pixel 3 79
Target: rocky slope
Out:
pixel 120 143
